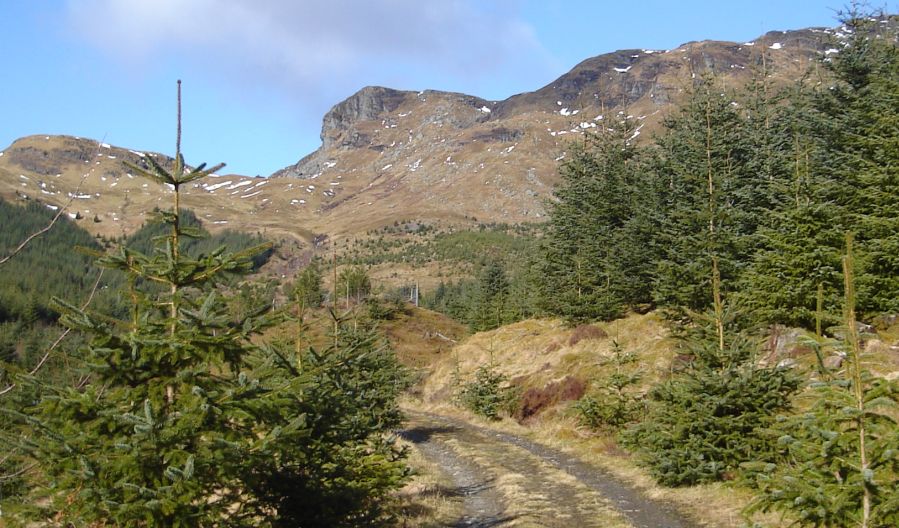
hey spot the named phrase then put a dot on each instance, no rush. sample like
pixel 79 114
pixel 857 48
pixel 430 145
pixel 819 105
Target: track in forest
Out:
pixel 505 481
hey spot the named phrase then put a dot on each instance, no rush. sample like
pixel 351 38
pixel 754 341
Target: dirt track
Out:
pixel 507 481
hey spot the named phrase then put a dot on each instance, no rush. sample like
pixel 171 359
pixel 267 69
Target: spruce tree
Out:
pixel 843 163
pixel 704 422
pixel 592 258
pixel 706 194
pixel 489 308
pixel 307 289
pixel 839 464
pixel 183 417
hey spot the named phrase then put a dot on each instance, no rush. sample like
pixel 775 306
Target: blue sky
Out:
pixel 259 74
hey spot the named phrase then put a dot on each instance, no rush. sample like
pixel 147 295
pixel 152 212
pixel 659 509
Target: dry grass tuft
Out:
pixel 585 332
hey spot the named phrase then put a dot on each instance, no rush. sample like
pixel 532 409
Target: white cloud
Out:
pixel 318 47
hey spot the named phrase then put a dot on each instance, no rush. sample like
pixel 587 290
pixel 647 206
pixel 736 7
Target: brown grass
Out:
pixel 423 502
pixel 584 332
pixel 534 400
pixel 537 354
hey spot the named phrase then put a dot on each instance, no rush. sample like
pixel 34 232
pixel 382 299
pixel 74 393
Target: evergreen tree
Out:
pixel 839 464
pixel 704 422
pixel 353 284
pixel 614 402
pixel 706 194
pixel 182 419
pixel 489 309
pixel 843 159
pixel 307 288
pixel 592 266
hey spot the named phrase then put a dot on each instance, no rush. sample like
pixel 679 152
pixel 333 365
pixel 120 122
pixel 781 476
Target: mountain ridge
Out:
pixel 389 155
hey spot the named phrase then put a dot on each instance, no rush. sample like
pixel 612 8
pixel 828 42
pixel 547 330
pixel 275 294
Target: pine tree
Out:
pixel 704 422
pixel 184 419
pixel 839 464
pixel 592 266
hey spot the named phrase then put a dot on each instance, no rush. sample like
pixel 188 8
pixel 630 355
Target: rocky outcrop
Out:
pixel 366 104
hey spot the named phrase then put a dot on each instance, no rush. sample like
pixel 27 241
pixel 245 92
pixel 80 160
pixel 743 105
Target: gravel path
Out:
pixel 504 480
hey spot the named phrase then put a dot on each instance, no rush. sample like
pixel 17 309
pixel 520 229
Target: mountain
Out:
pixel 432 156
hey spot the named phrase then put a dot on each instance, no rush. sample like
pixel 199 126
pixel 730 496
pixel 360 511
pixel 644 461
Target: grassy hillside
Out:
pixel 552 366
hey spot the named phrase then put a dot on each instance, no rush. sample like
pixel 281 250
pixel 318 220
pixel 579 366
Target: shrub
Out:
pixel 614 403
pixel 488 394
pixel 535 400
pixel 703 423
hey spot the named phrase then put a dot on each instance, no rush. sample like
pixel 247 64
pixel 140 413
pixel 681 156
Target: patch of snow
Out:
pixel 212 188
pixel 136 153
pixel 239 184
pixel 749 43
pixel 565 112
pixel 52 207
pixel 73 216
pixel 266 181
pixel 414 167
pixel 24 177
pixel 111 157
pixel 329 164
pixel 251 194
pixel 776 46
pixel 220 222
pixel 385 167
pixel 484 109
pixel 622 70
pixel 105 145
pixel 559 103
pixel 827 52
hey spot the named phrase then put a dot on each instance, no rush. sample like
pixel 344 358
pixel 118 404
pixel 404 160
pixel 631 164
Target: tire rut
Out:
pixel 504 480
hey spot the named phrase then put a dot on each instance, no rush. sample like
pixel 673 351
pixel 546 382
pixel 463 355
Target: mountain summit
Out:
pixel 389 155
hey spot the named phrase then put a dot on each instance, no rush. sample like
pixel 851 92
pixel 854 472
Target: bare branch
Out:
pixel 59 339
pixel 20 472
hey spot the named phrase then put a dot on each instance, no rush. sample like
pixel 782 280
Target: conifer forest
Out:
pixel 165 378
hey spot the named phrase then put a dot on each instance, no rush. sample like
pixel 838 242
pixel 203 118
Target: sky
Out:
pixel 258 75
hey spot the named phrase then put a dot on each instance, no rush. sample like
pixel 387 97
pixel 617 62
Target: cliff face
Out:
pixel 435 154
pixel 389 155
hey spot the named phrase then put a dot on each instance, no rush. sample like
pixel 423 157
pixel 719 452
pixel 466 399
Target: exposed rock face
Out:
pixel 437 154
pixel 366 104
pixel 389 155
